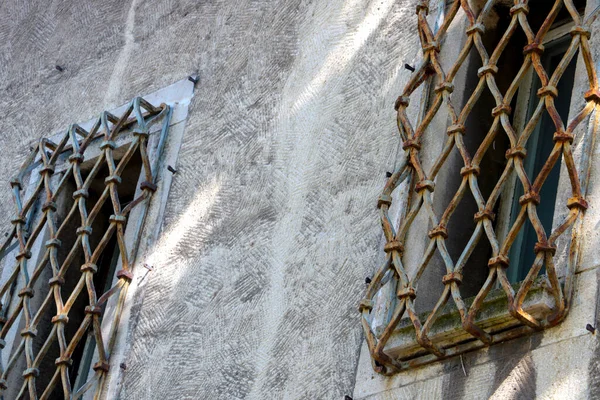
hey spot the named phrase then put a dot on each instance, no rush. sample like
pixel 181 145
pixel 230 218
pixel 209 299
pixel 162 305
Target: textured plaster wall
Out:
pixel 271 225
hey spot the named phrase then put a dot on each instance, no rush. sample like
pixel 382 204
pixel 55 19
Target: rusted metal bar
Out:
pixel 43 161
pixel 421 201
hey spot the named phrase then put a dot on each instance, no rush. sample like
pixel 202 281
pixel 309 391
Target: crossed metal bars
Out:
pixel 25 232
pixel 423 182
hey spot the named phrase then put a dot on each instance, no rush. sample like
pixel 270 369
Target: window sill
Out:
pixel 447 331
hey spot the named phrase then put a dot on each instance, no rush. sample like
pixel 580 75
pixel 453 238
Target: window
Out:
pixel 480 201
pixel 556 44
pixel 83 198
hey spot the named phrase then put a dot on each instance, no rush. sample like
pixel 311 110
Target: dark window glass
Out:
pixel 539 146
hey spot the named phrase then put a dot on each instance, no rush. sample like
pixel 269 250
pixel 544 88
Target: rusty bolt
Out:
pixel 59 68
pixel 171 169
pixel 409 67
pixel 367 280
pixel 123 366
pixel 590 328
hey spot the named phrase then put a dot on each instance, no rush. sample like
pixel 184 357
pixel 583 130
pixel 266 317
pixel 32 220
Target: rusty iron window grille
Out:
pixel 556 43
pixel 401 274
pixel 66 187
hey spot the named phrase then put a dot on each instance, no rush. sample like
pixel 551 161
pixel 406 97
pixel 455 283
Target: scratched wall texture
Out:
pixel 271 225
pixel 271 221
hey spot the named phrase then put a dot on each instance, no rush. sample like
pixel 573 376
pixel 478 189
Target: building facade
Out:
pixel 240 151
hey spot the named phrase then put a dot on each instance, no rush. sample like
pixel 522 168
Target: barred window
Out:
pixel 82 198
pixel 470 260
pixel 556 44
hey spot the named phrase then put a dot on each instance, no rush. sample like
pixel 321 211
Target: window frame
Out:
pixel 526 102
pixel 387 355
pixel 178 95
pixel 143 227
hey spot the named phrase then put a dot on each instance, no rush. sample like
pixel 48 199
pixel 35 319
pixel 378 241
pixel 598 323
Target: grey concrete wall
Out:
pixel 271 224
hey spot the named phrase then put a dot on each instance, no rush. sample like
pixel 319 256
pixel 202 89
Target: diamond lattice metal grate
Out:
pixel 37 216
pixel 422 183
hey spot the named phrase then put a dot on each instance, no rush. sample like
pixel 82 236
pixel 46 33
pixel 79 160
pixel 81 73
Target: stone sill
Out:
pixel 447 331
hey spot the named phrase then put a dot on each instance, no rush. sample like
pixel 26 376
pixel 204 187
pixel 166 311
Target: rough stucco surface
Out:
pixel 271 226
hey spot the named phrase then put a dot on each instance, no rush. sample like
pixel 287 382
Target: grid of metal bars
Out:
pixel 422 182
pixel 28 226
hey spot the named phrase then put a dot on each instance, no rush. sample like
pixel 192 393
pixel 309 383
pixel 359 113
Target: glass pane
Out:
pixel 539 146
